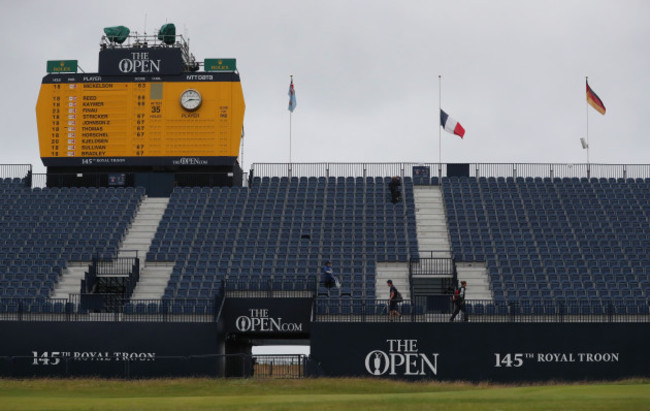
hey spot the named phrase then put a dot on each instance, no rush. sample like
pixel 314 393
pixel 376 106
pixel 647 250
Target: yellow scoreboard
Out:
pixel 94 120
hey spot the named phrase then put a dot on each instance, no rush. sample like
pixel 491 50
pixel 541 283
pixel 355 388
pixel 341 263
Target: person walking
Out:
pixel 459 301
pixel 395 297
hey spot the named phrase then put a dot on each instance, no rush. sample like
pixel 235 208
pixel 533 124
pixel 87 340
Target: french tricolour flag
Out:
pixel 450 125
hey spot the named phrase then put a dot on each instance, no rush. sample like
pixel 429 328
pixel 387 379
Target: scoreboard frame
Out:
pixel 118 132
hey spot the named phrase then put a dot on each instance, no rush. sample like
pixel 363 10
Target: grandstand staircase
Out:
pixel 476 275
pixel 433 237
pixel 70 281
pixel 431 223
pixel 153 276
pixel 398 273
pixel 433 240
pixel 143 228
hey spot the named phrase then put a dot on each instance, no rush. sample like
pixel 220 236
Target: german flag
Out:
pixel 595 101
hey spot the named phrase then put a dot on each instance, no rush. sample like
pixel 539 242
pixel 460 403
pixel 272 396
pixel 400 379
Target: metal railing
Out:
pixel 121 266
pixel 431 309
pixel 111 307
pixel 119 276
pixel 144 41
pixel 420 309
pixel 431 275
pixel 279 366
pixel 138 40
pixel 436 267
pixel 551 170
pixel 271 288
pixel 543 170
pixel 85 179
pixel 107 179
pixel 23 172
pixel 328 169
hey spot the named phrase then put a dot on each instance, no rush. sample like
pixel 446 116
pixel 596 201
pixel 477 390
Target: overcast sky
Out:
pixel 366 74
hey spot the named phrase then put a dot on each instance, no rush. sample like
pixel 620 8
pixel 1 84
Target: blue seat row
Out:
pixel 281 227
pixel 42 229
pixel 539 228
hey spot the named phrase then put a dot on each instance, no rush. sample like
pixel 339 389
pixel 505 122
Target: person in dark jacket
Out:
pixel 394 186
pixel 459 301
pixel 328 275
pixel 394 298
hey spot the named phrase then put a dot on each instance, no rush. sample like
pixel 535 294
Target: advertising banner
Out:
pixel 482 352
pixel 220 64
pixel 144 61
pixel 268 316
pixel 109 349
pixel 62 66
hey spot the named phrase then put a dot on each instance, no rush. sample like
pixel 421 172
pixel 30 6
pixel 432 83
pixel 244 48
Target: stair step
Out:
pixel 138 238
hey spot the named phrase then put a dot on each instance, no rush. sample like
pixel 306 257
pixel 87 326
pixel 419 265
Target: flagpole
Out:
pixel 587 111
pixel 290 124
pixel 439 127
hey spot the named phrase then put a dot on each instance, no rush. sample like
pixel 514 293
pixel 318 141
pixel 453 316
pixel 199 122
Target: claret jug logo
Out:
pixel 402 358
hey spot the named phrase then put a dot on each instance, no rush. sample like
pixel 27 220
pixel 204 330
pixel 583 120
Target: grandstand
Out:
pixel 546 248
pixel 539 241
pixel 279 232
pixel 577 240
pixel 47 230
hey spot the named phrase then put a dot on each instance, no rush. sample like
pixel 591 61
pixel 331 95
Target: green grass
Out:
pixel 324 394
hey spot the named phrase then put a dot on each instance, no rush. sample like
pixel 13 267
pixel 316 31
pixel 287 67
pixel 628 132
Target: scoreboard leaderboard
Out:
pixel 181 120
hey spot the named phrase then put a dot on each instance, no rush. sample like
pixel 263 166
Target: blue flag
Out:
pixel 292 97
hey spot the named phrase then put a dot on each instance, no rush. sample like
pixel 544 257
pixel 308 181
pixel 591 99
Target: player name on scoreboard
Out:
pixel 99 119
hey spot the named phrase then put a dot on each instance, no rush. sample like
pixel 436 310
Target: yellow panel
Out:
pixel 98 120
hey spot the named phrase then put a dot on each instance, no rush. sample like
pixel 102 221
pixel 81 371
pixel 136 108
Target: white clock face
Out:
pixel 190 99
